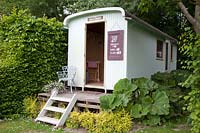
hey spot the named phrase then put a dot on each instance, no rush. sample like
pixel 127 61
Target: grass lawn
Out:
pixel 162 130
pixel 26 126
pixel 167 128
pixel 29 126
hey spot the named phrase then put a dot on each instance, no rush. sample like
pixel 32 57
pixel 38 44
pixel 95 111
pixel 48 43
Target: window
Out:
pixel 171 56
pixel 159 50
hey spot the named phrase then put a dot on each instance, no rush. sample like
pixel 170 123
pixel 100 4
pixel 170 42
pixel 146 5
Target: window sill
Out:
pixel 160 59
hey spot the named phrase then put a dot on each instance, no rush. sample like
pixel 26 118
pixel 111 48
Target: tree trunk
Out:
pixel 197 17
pixel 195 21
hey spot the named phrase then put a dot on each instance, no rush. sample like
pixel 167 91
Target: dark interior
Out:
pixel 95 49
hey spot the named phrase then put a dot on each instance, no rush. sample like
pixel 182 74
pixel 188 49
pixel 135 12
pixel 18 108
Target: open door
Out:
pixel 95 54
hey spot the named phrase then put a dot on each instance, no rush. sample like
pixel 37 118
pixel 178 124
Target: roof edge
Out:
pixel 67 19
pixel 133 17
pixel 127 15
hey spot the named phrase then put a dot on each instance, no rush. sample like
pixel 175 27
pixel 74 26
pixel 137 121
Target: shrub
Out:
pixel 103 122
pixel 87 120
pixel 73 120
pixel 171 83
pixel 54 85
pixel 190 48
pixel 165 79
pixel 31 107
pixel 142 98
pixel 171 79
pixel 31 51
pixel 113 122
pixel 194 107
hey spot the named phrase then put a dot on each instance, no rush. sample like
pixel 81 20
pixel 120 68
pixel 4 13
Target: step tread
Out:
pixel 55 109
pixel 63 99
pixel 48 120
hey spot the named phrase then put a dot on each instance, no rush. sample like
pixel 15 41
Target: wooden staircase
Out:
pixel 49 107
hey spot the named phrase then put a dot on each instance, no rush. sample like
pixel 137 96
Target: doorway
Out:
pixel 95 33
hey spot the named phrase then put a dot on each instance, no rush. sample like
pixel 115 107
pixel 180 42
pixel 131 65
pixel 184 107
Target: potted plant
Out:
pixel 54 86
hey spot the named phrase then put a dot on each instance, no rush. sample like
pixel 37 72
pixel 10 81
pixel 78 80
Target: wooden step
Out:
pixel 48 120
pixel 88 106
pixel 49 106
pixel 55 109
pixel 62 99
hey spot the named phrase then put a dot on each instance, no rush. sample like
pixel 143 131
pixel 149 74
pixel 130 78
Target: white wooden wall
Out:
pixel 141 54
pixel 172 63
pixel 113 70
pixel 139 49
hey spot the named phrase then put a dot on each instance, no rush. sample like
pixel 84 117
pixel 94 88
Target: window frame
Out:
pixel 172 54
pixel 159 50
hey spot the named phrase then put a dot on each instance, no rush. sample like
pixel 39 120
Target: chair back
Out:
pixel 67 72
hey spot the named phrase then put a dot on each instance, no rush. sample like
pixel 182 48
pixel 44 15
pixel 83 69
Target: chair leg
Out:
pixel 74 84
pixel 71 89
pixel 65 84
pixel 71 86
pixel 105 90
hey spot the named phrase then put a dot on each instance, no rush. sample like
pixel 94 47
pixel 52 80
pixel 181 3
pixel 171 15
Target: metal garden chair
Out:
pixel 67 75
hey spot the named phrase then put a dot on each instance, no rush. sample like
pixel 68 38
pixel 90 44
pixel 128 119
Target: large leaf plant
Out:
pixel 141 97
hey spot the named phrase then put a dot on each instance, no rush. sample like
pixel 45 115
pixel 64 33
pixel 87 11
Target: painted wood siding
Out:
pixel 173 62
pixel 141 56
pixel 113 70
pixel 76 40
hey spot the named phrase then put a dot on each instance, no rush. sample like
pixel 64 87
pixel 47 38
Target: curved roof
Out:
pixel 67 19
pixel 124 14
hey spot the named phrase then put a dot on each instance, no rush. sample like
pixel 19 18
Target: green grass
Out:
pixel 178 125
pixel 24 126
pixel 29 126
pixel 162 130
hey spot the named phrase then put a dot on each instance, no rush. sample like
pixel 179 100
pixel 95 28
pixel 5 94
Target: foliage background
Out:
pixel 190 47
pixel 141 97
pixel 31 51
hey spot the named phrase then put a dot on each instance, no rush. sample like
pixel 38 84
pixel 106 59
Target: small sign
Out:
pixel 95 18
pixel 115 45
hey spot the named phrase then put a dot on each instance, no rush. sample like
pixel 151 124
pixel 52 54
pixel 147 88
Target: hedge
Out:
pixel 31 51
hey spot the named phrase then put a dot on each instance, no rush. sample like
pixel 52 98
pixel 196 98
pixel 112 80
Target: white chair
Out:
pixel 67 75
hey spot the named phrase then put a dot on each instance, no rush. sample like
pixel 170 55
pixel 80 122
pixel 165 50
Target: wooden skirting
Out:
pixel 85 99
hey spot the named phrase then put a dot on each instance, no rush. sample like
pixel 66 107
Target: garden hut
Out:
pixel 108 44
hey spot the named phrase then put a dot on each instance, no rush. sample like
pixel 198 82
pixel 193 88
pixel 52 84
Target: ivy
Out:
pixel 31 51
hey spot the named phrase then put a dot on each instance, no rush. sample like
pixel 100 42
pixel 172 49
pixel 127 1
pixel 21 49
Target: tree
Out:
pixel 7 6
pixel 192 17
pixel 38 8
pixel 49 8
pixel 164 15
pixel 194 20
pixel 80 5
pixel 190 47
